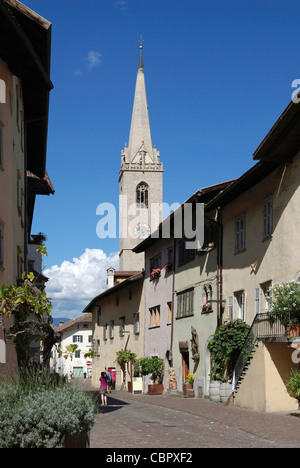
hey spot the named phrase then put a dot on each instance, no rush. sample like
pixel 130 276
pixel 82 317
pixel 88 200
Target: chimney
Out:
pixel 110 277
pixel 61 322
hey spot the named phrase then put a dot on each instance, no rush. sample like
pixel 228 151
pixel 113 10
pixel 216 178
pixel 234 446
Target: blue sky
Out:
pixel 218 75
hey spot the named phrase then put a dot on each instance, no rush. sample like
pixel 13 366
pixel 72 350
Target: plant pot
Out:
pixel 188 390
pixel 78 441
pixel 156 389
pixel 214 391
pixel 293 330
pixel 225 391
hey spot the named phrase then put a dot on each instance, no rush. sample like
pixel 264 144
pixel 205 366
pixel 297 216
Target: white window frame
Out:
pixel 237 306
pixel 136 322
pixel 111 329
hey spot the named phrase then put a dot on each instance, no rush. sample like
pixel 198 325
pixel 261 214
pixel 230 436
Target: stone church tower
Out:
pixel 140 181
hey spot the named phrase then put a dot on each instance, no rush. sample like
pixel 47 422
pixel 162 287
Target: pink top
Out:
pixel 103 382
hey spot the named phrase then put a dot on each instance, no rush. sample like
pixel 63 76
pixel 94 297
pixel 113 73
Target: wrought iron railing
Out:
pixel 261 328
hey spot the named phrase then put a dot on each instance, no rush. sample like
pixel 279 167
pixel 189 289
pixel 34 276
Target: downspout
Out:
pixel 173 301
pixel 220 268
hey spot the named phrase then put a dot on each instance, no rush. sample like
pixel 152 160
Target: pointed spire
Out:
pixel 140 124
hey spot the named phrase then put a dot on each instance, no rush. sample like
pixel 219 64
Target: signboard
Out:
pixel 88 363
pixel 137 386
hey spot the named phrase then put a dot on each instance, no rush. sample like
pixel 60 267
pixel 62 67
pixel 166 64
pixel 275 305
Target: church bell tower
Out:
pixel 140 181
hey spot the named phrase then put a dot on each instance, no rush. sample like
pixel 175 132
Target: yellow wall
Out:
pixel 263 388
pixel 111 311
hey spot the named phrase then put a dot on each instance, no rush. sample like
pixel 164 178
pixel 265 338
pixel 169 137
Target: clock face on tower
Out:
pixel 142 231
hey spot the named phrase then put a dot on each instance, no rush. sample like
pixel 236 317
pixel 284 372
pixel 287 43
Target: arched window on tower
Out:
pixel 142 195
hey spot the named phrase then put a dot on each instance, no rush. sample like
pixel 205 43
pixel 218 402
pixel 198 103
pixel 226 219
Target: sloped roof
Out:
pixel 87 318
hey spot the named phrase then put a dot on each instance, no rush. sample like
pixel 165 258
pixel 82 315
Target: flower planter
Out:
pixel 225 391
pixel 156 389
pixel 78 441
pixel 214 391
pixel 188 390
pixel 293 330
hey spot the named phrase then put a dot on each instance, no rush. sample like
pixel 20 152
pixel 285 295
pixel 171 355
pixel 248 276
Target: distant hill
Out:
pixel 57 320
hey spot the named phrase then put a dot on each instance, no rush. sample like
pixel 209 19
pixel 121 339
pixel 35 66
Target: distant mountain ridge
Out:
pixel 57 320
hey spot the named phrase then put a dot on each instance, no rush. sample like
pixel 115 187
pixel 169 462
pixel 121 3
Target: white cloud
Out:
pixel 73 284
pixel 93 59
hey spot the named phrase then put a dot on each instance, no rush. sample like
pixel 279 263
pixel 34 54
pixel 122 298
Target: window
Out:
pixel 185 255
pixel 136 323
pixel 142 195
pixel 169 305
pixel 98 315
pixel 240 234
pixel 207 293
pixel 237 306
pixel 122 326
pixel 77 339
pixel 105 332
pixel 77 353
pixel 155 317
pixel 111 330
pixel 155 262
pixel 185 303
pixel 268 218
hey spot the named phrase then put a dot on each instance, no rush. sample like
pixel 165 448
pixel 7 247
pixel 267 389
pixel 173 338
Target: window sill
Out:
pixel 267 238
pixel 185 316
pixel 237 252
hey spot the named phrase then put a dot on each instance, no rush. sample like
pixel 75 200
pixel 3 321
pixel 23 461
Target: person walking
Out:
pixel 103 388
pixel 109 381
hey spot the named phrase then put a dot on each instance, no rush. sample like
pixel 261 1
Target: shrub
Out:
pixel 225 348
pixel 293 385
pixel 284 303
pixel 36 414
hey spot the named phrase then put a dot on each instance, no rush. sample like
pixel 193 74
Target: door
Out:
pixel 185 365
pixel 77 372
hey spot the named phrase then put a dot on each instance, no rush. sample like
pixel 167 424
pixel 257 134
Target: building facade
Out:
pixel 66 362
pixel 25 86
pixel 260 218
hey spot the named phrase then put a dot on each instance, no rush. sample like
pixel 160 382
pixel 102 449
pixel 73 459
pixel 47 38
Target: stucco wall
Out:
pixel 197 273
pixel 127 306
pixel 159 293
pixel 277 257
pixel 263 388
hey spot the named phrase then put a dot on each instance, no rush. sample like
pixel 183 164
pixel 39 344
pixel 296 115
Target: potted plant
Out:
pixel 284 306
pixel 206 307
pixel 188 386
pixel 293 385
pixel 155 273
pixel 154 366
pixel 168 266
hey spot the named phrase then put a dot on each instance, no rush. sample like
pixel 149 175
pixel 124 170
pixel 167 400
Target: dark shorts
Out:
pixel 103 390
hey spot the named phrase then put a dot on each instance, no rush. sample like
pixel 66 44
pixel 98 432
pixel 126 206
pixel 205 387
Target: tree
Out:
pixel 31 310
pixel 123 358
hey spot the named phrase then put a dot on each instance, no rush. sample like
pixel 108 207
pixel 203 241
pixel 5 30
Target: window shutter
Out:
pixel 243 311
pixel 230 308
pixel 257 300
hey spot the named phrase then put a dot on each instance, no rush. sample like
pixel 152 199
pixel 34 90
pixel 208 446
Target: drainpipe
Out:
pixel 220 268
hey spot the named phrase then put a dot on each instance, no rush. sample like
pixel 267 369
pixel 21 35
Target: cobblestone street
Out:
pixel 147 421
